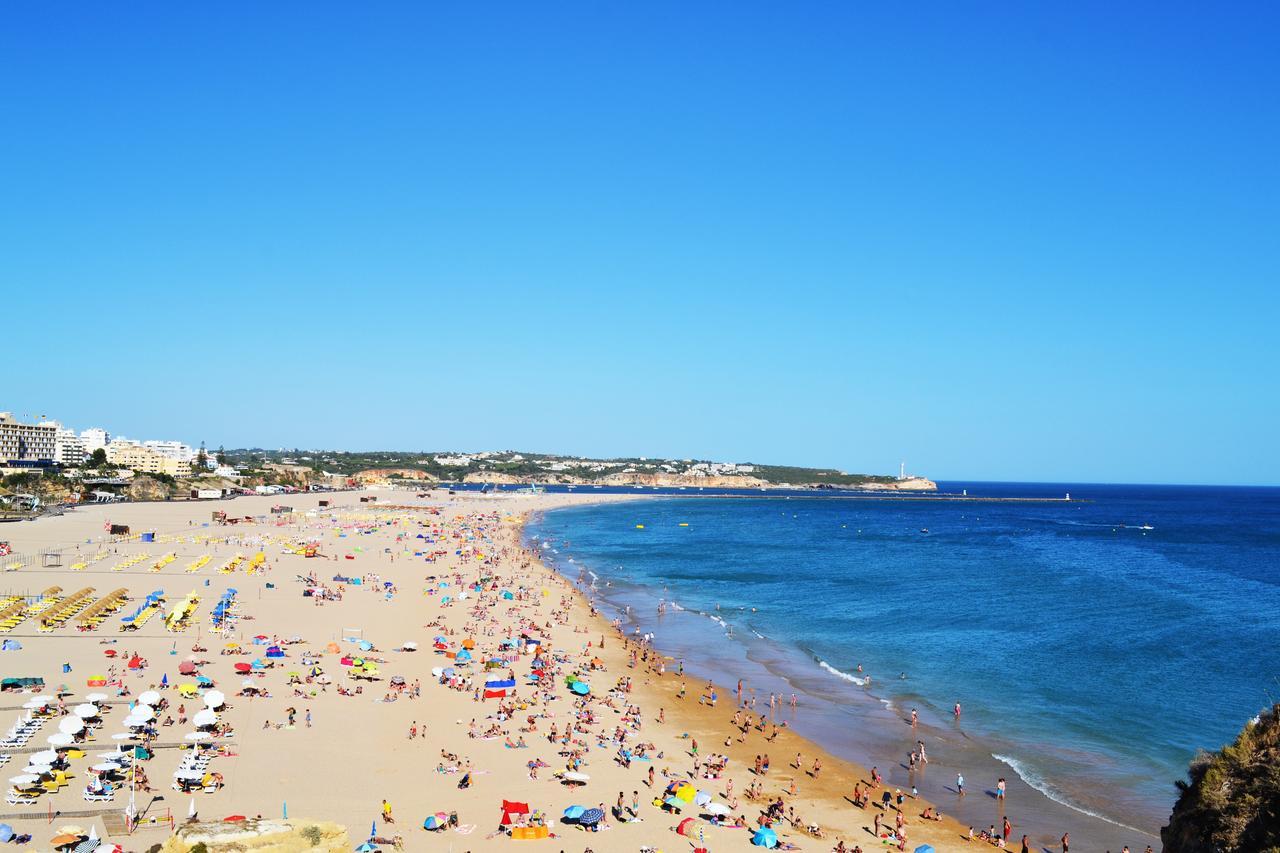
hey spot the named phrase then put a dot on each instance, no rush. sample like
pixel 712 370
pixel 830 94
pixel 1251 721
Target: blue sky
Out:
pixel 1001 241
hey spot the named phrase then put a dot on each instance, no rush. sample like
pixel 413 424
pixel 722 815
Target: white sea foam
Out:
pixel 1035 780
pixel 675 606
pixel 758 634
pixel 844 675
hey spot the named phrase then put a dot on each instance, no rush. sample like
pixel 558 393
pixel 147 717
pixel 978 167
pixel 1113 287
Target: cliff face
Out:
pixel 911 484
pixel 376 475
pixel 1231 801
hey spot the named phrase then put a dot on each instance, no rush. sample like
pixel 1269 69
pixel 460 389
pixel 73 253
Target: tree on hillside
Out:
pixel 221 457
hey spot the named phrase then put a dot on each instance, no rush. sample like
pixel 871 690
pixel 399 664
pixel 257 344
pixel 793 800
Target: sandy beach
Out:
pixel 349 746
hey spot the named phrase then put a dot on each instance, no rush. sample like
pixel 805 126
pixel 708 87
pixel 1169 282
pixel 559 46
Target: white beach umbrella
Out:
pixel 24 779
pixel 717 809
pixel 71 725
pixel 122 736
pixel 150 697
pixel 196 736
pixel 214 699
pixel 43 699
pixel 38 769
pixel 204 718
pixel 142 712
pixel 86 711
pixel 106 767
pixel 96 697
pixel 33 705
pixel 44 756
pixel 60 739
pixel 135 722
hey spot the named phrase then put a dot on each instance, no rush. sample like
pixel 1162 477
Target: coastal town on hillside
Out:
pixel 43 463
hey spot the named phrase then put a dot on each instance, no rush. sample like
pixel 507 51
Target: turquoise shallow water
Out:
pixel 1092 657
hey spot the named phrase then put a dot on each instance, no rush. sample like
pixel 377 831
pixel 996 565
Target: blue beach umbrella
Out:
pixel 580 687
pixel 765 837
pixel 6 832
pixel 591 817
pixel 574 813
pixel 925 848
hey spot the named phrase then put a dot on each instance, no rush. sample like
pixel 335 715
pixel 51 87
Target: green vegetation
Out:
pixel 1231 801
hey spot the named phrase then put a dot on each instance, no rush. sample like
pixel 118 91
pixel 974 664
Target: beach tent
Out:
pixel 765 837
pixel 10 646
pixel 925 848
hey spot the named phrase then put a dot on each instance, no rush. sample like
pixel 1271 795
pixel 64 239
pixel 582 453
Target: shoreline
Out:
pixel 863 708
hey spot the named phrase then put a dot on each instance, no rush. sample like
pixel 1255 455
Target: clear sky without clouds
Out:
pixel 1001 241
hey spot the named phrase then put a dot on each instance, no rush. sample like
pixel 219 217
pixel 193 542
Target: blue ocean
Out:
pixel 1094 646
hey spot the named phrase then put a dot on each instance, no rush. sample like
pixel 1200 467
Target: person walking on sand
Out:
pixel 386 812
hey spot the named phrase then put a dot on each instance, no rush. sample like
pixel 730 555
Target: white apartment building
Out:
pixel 68 448
pixel 171 449
pixel 25 442
pixel 95 438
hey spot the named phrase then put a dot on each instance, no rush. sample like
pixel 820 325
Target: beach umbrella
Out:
pixel 24 779
pixel 186 668
pixel 142 712
pixel 243 667
pixel 38 769
pixel 60 739
pixel 196 736
pixel 203 718
pixel 106 767
pixel 574 813
pixel 71 725
pixel 86 711
pixel 124 736
pixel 580 687
pixel 765 837
pixel 150 697
pixel 717 809
pixel 96 697
pixel 591 817
pixel 675 803
pixel 685 827
pixel 366 848
pixel 410 647
pixel 214 699
pixel 44 756
pixel 439 820
pixel 925 848
pixel 63 839
pixel 6 833
pixel 204 681
pixel 701 798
